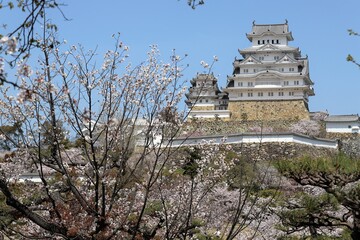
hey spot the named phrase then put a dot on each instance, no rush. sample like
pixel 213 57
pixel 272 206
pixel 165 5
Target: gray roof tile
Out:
pixel 342 118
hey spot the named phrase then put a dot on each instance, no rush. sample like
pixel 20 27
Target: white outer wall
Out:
pixel 253 138
pixel 342 127
pixel 209 114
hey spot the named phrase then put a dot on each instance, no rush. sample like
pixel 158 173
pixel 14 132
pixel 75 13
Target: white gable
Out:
pixel 268 47
pixel 250 60
pixel 286 59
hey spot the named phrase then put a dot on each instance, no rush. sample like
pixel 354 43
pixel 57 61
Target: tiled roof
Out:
pixel 342 118
pixel 275 28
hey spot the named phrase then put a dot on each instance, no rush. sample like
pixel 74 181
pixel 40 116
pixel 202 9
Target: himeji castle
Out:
pixel 270 81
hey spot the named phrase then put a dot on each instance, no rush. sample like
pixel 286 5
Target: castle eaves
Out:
pixel 260 48
pixel 275 29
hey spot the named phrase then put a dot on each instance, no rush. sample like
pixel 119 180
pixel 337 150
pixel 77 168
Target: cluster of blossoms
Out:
pixel 260 129
pixel 9 44
pixel 204 64
pixel 23 70
pixel 209 66
pixel 307 127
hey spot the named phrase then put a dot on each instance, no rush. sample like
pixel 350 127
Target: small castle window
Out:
pixel 277 41
pixel 291 69
pixel 246 70
pixel 281 94
pixel 250 94
pixel 268 41
pixel 254 70
pixel 263 41
pixel 286 83
pixel 240 94
pixel 260 94
pixel 291 93
pixel 276 57
pixel 258 42
pixel 296 82
pixel 206 100
pixel 272 41
pixel 250 84
pixel 270 94
pixel 240 84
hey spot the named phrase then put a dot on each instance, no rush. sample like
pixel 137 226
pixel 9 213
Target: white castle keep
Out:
pixel 270 82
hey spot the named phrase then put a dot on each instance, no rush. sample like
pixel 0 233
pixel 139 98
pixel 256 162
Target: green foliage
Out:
pixel 307 210
pixel 153 207
pixel 191 166
pixel 338 164
pixel 196 222
pixel 201 236
pixel 350 58
pixel 343 237
pixel 11 5
pixel 51 135
pixel 270 192
pixel 79 142
pixel 338 176
pixel 243 174
pixel 12 132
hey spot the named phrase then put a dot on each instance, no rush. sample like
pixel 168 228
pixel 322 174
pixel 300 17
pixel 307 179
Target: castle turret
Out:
pixel 204 98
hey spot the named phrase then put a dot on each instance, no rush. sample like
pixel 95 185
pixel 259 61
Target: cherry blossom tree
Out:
pixel 121 178
pixel 101 108
pixel 307 127
pixel 17 43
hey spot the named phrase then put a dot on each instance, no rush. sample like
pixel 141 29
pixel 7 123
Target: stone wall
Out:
pixel 202 108
pixel 269 110
pixel 201 127
pixel 344 136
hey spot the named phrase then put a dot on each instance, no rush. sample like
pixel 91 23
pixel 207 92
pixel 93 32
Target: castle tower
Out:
pixel 272 80
pixel 204 98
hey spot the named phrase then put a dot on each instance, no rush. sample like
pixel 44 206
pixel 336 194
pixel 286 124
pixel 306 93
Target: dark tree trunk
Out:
pixel 356 229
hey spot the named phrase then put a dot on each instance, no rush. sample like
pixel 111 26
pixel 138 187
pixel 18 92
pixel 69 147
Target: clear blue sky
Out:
pixel 319 28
